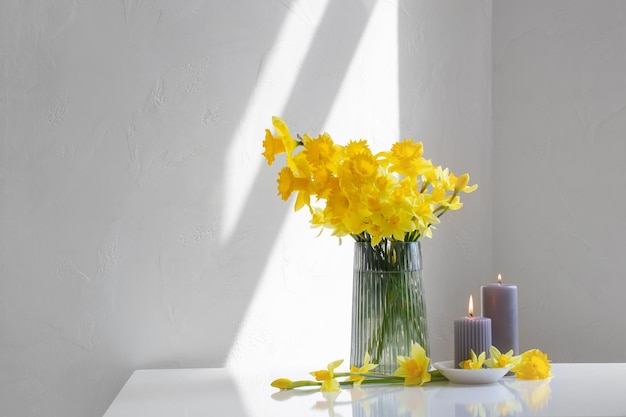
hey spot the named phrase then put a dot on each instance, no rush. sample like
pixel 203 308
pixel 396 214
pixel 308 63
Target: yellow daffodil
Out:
pixel 534 364
pixel 461 184
pixel 406 158
pixel 285 183
pixel 414 368
pixel 365 369
pixel 327 376
pixel 475 362
pixel 321 153
pixel 501 360
pixel 395 195
pixel 288 142
pixel 355 147
pixel 273 146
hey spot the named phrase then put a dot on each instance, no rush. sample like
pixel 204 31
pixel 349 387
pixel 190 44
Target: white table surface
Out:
pixel 574 390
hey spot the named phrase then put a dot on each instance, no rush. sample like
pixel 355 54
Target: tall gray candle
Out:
pixel 499 302
pixel 471 333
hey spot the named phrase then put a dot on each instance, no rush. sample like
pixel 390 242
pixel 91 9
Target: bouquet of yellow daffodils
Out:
pixel 395 195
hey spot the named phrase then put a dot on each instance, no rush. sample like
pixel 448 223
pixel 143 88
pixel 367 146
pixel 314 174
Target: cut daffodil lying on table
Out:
pixel 413 370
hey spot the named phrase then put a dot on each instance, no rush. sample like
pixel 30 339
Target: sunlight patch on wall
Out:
pixel 367 106
pixel 301 303
pixel 277 74
pixel 302 297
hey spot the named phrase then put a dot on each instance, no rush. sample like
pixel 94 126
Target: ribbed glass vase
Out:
pixel 388 303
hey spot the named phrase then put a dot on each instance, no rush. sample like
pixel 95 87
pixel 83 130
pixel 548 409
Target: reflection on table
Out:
pixel 574 390
pixel 509 397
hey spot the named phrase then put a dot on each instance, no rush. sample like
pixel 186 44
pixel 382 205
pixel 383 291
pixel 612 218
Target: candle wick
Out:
pixel 471 314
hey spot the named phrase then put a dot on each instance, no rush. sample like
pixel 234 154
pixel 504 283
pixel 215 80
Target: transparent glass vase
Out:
pixel 388 303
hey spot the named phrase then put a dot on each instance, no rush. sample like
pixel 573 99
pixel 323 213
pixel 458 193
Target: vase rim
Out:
pixel 391 242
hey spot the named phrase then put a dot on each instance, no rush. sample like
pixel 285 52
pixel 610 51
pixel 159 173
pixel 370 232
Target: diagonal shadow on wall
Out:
pixel 309 103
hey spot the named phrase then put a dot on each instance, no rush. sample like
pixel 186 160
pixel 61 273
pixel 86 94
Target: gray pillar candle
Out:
pixel 499 303
pixel 471 333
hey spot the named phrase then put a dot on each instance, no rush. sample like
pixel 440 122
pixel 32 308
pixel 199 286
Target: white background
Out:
pixel 140 227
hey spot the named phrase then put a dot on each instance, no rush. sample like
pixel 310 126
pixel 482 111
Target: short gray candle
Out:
pixel 499 303
pixel 471 333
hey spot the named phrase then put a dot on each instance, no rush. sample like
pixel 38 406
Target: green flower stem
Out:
pixel 388 303
pixel 374 381
pixel 287 384
pixel 388 318
pixel 394 380
pixel 297 384
pixel 437 377
pixel 454 194
pixel 373 378
pixel 372 375
pixel 386 262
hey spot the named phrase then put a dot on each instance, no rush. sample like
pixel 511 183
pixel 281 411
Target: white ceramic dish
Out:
pixel 470 376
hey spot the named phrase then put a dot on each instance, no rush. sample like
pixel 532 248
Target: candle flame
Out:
pixel 500 279
pixel 470 310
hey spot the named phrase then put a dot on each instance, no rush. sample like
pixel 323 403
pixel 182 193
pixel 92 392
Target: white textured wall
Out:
pixel 139 226
pixel 445 83
pixel 559 99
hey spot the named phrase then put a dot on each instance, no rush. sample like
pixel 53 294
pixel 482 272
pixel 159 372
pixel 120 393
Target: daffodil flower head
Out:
pixel 414 368
pixel 365 369
pixel 273 146
pixel 502 360
pixel 533 365
pixel 475 362
pixel 327 376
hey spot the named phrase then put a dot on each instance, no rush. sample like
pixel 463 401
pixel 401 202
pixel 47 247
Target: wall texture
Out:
pixel 445 100
pixel 139 226
pixel 559 100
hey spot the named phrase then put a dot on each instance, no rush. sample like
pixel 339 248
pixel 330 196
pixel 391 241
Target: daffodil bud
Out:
pixel 283 383
pixel 461 183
